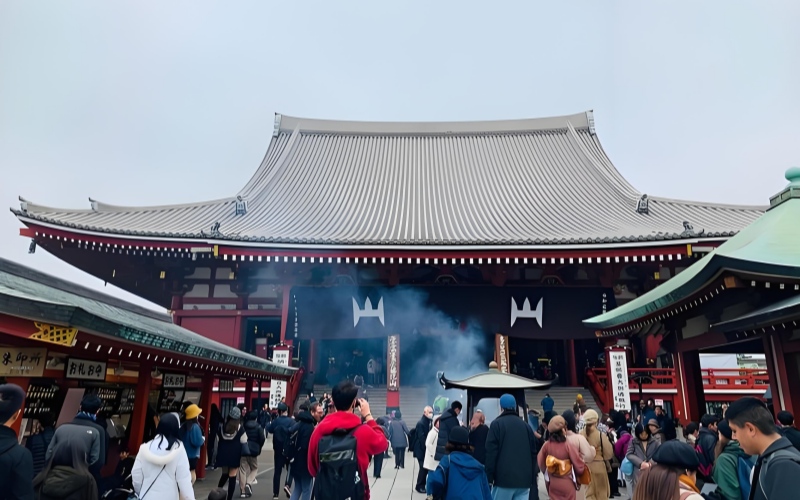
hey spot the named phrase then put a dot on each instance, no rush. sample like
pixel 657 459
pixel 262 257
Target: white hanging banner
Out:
pixel 618 377
pixel 277 388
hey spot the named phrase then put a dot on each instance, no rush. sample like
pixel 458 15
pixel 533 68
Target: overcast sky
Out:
pixel 141 103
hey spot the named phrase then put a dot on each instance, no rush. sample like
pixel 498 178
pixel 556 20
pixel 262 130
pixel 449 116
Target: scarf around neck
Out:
pixel 688 481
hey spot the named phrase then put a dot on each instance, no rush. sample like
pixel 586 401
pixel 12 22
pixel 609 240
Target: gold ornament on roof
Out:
pixel 61 335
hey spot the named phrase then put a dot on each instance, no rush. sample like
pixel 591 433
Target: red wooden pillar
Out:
pixel 689 379
pixel 783 377
pixel 141 400
pixel 205 405
pixel 24 383
pixel 248 394
pixel 572 364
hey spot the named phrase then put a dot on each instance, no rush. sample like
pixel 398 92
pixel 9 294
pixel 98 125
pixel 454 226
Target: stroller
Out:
pixel 121 492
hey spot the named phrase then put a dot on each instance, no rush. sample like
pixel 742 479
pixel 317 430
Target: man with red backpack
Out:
pixel 340 447
pixel 706 444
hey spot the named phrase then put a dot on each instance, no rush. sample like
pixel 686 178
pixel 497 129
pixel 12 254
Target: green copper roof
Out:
pixel 769 246
pixel 30 294
pixel 782 311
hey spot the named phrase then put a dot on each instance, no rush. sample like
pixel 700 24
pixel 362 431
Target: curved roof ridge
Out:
pixel 287 124
pixel 102 207
pixel 730 206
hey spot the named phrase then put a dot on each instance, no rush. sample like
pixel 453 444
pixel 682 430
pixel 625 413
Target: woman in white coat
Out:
pixel 161 470
pixel 430 461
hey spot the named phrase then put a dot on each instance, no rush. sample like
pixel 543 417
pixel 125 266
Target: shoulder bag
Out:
pixel 134 496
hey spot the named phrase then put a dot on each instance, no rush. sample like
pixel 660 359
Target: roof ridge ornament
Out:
pixel 643 206
pixel 94 204
pixel 590 119
pixel 277 129
pixel 23 204
pixel 240 206
pixel 689 232
pixel 792 190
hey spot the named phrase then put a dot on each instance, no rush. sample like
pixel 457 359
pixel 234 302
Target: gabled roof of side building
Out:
pixel 30 294
pixel 544 181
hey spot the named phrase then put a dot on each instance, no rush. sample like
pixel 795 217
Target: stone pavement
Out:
pixel 394 484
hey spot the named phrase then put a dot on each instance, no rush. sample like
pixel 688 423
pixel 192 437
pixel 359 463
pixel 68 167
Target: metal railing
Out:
pixel 664 378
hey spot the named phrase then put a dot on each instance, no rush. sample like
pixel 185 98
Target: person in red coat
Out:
pixel 369 437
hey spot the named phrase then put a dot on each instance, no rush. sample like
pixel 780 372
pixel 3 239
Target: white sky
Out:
pixel 141 103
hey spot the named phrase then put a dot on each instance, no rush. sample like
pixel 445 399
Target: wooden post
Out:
pixel 689 379
pixel 248 394
pixel 205 405
pixel 781 379
pixel 573 365
pixel 141 400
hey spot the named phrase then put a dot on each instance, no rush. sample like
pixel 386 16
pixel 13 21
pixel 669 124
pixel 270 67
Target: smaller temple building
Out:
pixel 744 297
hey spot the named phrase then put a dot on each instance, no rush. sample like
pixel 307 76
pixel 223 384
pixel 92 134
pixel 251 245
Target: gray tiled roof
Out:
pixel 519 182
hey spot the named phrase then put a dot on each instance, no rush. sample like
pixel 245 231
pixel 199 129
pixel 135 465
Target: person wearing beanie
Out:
pixel 192 437
pixel 458 475
pixel 16 463
pixel 599 488
pixel 559 460
pixel 231 437
pixel 398 437
pixel 85 427
pixel 579 408
pixel 248 467
pixel 655 430
pixel 511 465
pixel 729 459
pixel 673 475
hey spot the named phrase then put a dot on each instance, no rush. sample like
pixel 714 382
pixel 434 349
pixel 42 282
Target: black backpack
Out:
pixel 338 477
pixel 290 447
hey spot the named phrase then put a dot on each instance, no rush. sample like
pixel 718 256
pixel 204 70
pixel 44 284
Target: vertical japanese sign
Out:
pixel 277 388
pixel 22 362
pixel 618 373
pixel 393 364
pixel 84 369
pixel 501 353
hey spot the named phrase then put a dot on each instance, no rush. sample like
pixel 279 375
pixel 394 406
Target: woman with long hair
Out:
pixel 66 476
pixel 229 450
pixel 672 476
pixel 599 488
pixel 478 430
pixel 640 452
pixel 560 461
pixel 161 469
pixel 214 424
pixel 192 437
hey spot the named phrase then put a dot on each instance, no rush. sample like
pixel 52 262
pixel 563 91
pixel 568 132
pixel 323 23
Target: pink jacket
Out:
pixel 621 446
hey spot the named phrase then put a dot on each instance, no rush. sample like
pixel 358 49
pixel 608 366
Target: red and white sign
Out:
pixel 618 373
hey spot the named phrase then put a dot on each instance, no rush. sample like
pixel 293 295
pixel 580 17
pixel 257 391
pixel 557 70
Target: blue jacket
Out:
pixel 548 404
pixel 464 476
pixel 192 440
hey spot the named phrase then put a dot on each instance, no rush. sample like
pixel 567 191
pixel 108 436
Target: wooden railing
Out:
pixel 664 378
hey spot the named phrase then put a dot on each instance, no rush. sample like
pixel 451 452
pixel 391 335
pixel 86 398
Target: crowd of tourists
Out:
pixel 326 447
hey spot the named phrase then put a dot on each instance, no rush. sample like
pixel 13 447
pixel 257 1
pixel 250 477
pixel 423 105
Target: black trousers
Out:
pixel 280 464
pixel 422 477
pixel 378 464
pixel 612 480
pixel 399 456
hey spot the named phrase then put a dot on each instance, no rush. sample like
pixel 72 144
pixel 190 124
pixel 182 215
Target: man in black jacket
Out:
pixel 84 427
pixel 16 463
pixel 511 453
pixel 420 434
pixel 447 422
pixel 708 437
pixel 777 470
pixel 299 455
pixel 255 441
pixel 279 428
